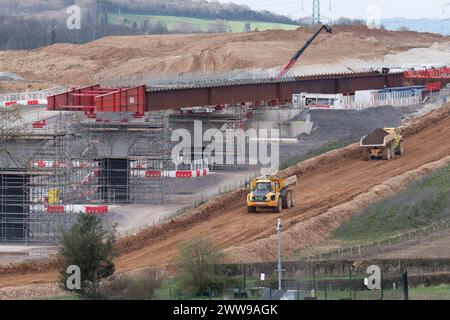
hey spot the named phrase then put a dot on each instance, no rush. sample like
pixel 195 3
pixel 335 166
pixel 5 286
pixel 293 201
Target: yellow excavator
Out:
pixel 271 193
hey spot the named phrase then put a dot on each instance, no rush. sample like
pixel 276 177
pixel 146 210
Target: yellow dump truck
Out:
pixel 271 193
pixel 382 144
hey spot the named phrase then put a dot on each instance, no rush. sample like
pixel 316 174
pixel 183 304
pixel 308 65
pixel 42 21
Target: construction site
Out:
pixel 106 147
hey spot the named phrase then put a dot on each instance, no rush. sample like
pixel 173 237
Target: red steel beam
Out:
pixel 234 94
pixel 138 101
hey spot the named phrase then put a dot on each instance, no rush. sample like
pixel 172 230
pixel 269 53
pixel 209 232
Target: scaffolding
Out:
pixel 50 174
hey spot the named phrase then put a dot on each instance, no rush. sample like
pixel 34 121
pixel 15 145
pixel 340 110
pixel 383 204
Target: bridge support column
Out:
pixel 115 180
pixel 14 206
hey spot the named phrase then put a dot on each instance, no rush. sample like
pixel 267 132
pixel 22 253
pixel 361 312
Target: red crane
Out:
pixel 297 55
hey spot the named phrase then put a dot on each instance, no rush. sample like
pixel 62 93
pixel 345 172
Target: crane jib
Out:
pixel 302 50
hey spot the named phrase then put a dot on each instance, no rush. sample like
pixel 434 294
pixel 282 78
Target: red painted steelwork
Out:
pixel 439 73
pixel 138 101
pixel 94 99
pixel 271 91
pixel 433 86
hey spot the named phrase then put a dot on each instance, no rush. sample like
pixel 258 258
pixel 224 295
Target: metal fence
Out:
pixel 350 286
pixel 35 95
pixel 360 249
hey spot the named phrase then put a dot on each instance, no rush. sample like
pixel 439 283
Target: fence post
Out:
pixel 405 286
pixel 314 279
pixel 350 283
pixel 245 286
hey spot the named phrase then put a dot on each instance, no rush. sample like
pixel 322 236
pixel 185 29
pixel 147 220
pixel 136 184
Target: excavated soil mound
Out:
pixel 136 56
pixel 376 137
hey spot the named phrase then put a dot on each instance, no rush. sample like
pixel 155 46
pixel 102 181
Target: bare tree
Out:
pixel 218 26
pixel 186 27
pixel 11 122
pixel 247 27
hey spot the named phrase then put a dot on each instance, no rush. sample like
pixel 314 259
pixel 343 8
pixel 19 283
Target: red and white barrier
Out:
pixel 198 168
pixel 44 164
pixel 28 98
pixel 33 102
pixel 170 173
pixel 72 208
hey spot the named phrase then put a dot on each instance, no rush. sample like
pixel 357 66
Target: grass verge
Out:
pixel 422 203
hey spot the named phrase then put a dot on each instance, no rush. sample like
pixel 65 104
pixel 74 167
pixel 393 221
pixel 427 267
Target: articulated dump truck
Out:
pixel 271 193
pixel 382 144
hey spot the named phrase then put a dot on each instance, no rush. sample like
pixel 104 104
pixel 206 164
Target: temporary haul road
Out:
pixel 248 237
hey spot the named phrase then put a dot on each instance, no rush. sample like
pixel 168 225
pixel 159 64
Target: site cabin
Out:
pixel 271 193
pixel 382 144
pixel 318 101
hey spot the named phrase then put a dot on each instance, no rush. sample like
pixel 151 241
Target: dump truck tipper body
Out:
pixel 382 144
pixel 271 193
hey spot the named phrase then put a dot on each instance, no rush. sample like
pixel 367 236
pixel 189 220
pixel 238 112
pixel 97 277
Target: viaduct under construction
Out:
pixel 111 145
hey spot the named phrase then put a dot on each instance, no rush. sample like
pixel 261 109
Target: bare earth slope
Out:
pixel 320 189
pixel 137 55
pixel 332 187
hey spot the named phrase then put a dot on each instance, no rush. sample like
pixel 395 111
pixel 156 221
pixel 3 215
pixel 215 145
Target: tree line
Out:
pixel 197 9
pixel 185 8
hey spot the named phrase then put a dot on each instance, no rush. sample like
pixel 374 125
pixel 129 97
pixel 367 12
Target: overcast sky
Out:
pixel 356 8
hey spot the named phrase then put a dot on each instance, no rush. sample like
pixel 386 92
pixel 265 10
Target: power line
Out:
pixel 316 12
pixel 443 7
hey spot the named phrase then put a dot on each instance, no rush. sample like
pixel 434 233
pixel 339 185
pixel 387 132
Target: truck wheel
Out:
pixel 392 151
pixel 366 154
pixel 386 154
pixel 401 148
pixel 279 207
pixel 290 197
pixel 251 209
pixel 285 201
pixel 292 201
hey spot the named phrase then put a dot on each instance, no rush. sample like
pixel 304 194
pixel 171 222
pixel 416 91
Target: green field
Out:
pixel 421 204
pixel 202 24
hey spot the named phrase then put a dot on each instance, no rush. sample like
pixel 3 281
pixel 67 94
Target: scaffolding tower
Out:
pixel 50 173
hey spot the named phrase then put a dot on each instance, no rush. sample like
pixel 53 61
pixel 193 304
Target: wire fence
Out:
pixel 347 279
pixel 360 249
pixel 196 201
pixel 352 285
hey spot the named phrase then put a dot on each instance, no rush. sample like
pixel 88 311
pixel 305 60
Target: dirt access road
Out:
pixel 249 237
pixel 318 190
